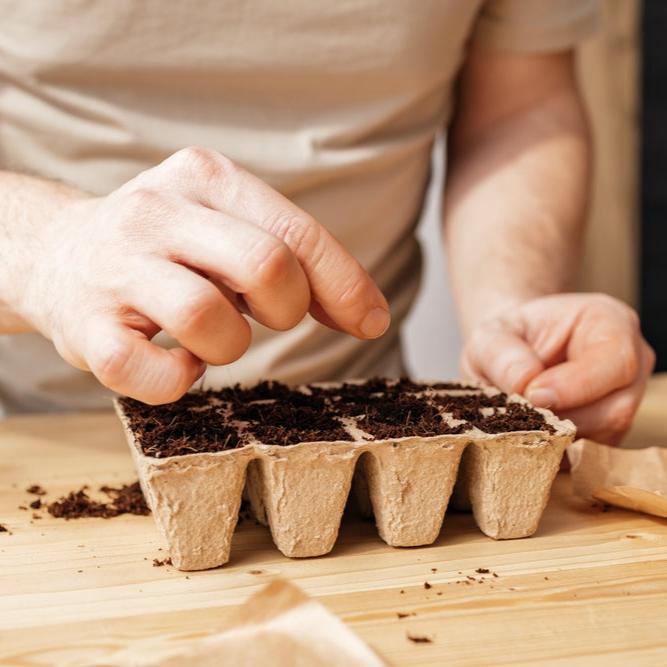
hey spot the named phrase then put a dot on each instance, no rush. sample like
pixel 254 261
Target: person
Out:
pixel 221 171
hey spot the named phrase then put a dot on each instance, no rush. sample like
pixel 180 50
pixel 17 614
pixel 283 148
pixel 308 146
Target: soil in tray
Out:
pixel 273 413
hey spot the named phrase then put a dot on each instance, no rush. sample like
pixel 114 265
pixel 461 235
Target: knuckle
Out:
pixel 351 291
pixel 604 300
pixel 633 317
pixel 111 364
pixel 301 232
pixel 269 262
pixel 140 201
pixel 586 389
pixel 203 163
pixel 629 363
pixel 601 297
pixel 613 307
pixel 623 414
pixel 197 309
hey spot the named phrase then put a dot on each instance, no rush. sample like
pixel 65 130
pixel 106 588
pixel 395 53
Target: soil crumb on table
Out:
pixel 127 499
pixel 157 562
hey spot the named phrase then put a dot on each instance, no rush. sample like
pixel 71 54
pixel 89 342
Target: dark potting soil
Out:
pixel 517 417
pixel 176 428
pixel 127 499
pixel 404 415
pixel 273 413
pixel 161 562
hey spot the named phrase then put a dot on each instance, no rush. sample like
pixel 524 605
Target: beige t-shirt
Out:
pixel 334 104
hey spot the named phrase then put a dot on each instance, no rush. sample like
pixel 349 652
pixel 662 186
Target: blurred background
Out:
pixel 621 74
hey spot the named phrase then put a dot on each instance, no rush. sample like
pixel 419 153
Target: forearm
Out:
pixel 27 204
pixel 515 205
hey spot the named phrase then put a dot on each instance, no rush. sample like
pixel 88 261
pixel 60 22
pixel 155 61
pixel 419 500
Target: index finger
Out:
pixel 347 295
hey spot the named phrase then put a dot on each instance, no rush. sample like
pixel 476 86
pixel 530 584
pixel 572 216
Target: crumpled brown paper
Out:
pixel 635 479
pixel 279 626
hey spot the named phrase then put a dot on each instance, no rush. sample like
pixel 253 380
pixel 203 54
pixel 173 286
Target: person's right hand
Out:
pixel 186 247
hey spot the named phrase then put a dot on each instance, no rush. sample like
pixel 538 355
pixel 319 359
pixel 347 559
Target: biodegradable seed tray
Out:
pixel 296 452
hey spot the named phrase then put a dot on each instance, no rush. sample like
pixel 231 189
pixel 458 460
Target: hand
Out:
pixel 186 247
pixel 581 355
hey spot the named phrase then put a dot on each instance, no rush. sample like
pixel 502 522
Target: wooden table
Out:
pixel 589 589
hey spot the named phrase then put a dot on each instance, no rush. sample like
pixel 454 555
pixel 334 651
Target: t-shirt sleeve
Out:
pixel 535 25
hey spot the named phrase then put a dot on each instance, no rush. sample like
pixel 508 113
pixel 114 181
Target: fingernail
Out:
pixel 542 397
pixel 375 323
pixel 202 369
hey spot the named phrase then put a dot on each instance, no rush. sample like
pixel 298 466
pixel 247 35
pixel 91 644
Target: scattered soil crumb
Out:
pixel 419 639
pixel 127 499
pixel 160 563
pixel 495 574
pixel 256 572
pixel 36 516
pixel 36 490
pixel 401 591
pixel 4 529
pixel 36 504
pixel 405 614
pixel 427 585
pixel 23 507
pixel 434 569
pixel 482 570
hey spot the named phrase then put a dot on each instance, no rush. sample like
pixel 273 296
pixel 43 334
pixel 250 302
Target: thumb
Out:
pixel 500 356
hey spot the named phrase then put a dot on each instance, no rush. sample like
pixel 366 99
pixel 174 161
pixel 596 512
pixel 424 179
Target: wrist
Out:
pixel 28 213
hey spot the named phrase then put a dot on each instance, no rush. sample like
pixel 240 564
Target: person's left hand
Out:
pixel 581 355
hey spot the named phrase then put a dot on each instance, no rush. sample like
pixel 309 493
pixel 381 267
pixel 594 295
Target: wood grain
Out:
pixel 589 589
